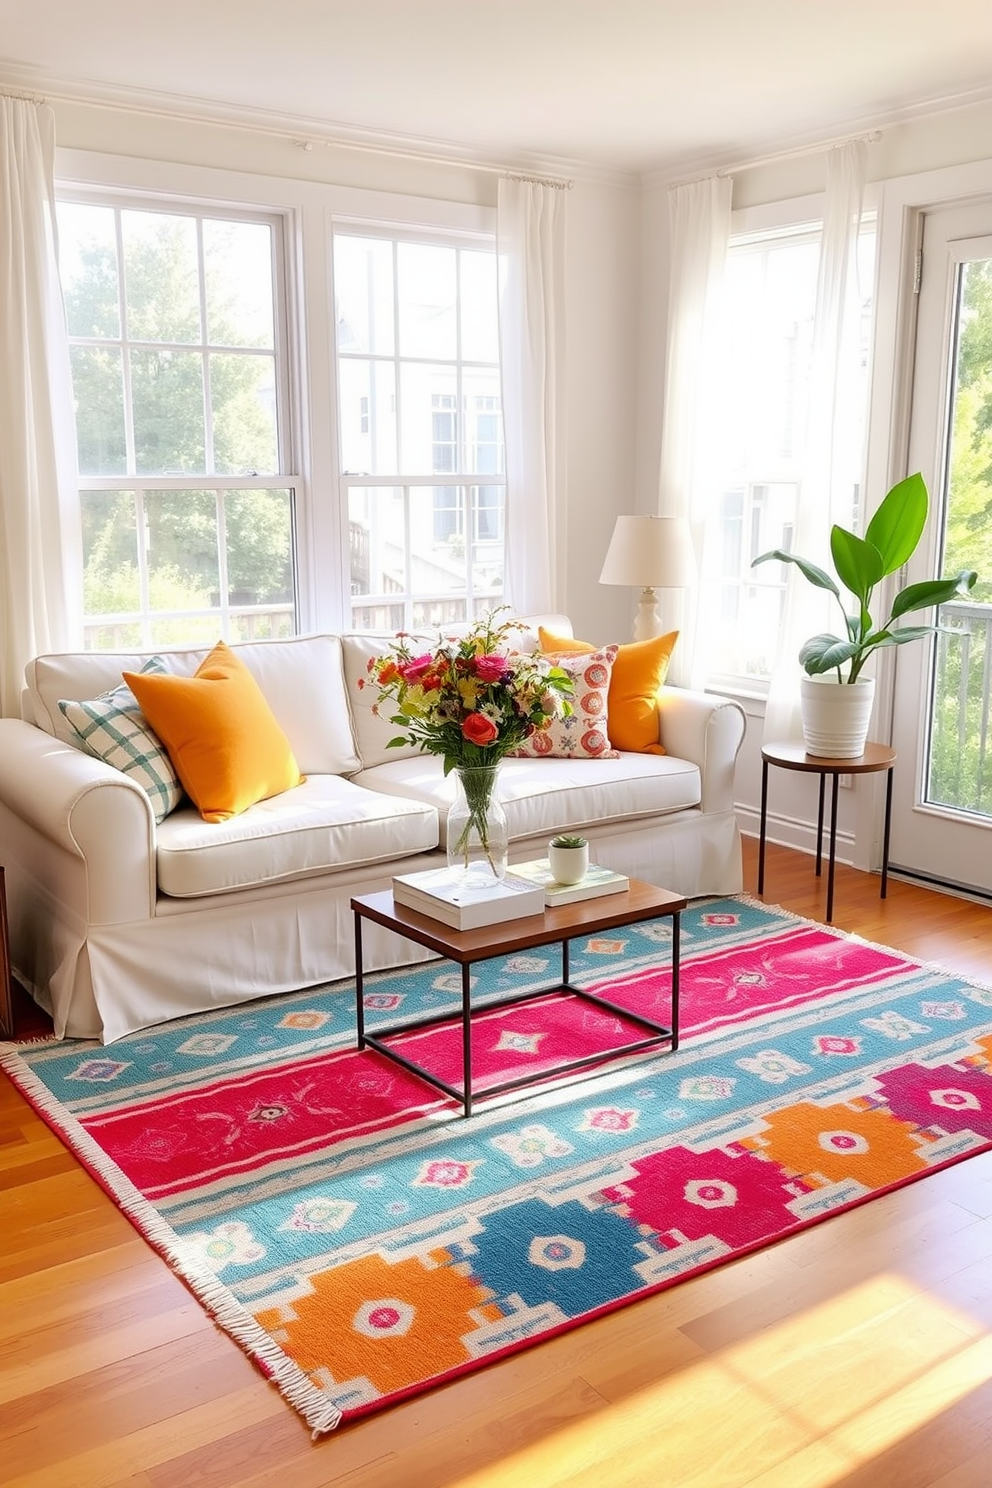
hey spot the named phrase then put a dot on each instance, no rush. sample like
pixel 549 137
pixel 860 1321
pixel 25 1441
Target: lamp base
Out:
pixel 648 622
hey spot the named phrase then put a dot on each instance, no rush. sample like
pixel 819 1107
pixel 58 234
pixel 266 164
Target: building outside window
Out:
pixel 177 329
pixel 418 348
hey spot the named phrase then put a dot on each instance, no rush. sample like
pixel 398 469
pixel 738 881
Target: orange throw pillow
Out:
pixel 220 733
pixel 639 670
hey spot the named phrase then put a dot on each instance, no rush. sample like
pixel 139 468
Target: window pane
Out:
pixel 237 260
pixel 363 295
pixel 367 392
pixel 243 403
pixel 259 532
pixel 161 277
pixel 377 533
pixel 111 582
pixel 98 394
pixel 483 422
pixel 167 397
pixel 479 314
pixel 427 294
pixel 88 269
pixel 426 391
pixel 183 564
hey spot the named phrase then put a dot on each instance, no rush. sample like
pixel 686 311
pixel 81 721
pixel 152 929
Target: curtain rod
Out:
pixel 21 97
pixel 821 148
pixel 427 158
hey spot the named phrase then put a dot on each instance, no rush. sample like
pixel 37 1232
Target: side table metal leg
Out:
pixel 819 823
pixel 833 847
pixel 676 938
pixel 359 983
pixel 762 826
pixel 467 1038
pixel 885 833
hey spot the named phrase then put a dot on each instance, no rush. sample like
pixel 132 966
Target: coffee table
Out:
pixel 563 923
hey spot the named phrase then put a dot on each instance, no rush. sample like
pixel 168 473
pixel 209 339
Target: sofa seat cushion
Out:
pixel 324 824
pixel 541 797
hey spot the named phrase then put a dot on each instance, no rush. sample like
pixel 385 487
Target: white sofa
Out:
pixel 117 923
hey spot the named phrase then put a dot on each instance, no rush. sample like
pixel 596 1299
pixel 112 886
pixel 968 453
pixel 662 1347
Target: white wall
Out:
pixel 928 143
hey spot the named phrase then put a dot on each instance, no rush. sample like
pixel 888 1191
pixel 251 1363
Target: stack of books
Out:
pixel 440 894
pixel 596 881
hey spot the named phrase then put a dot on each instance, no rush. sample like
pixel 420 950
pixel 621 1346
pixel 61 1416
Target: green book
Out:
pixel 597 881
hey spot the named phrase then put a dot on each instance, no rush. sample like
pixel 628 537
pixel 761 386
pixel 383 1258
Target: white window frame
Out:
pixel 466 482
pixel 285 476
pixel 795 218
pixel 308 209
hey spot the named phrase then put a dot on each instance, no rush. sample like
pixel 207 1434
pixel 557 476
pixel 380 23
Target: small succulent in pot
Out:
pixel 568 857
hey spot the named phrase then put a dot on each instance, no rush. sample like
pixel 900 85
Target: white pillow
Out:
pixel 113 728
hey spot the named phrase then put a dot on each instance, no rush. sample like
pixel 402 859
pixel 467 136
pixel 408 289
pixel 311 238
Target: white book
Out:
pixel 440 894
pixel 596 881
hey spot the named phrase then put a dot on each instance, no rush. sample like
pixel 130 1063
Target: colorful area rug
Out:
pixel 362 1241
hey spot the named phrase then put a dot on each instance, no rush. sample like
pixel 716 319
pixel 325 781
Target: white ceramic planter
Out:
pixel 836 716
pixel 569 864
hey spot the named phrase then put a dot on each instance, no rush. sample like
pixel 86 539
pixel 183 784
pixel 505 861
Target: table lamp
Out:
pixel 654 553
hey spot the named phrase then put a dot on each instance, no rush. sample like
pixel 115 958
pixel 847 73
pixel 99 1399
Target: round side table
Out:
pixel 788 756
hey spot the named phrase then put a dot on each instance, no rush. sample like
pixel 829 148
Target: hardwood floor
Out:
pixel 857 1353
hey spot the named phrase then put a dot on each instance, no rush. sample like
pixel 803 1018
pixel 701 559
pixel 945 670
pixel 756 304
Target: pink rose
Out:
pixel 412 671
pixel 478 729
pixel 489 668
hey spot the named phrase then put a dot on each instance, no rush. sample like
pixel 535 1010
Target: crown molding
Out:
pixel 773 148
pixel 304 131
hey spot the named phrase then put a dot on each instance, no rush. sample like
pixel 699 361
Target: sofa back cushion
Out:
pixel 301 679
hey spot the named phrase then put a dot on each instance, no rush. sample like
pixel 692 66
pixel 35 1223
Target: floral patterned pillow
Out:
pixel 585 735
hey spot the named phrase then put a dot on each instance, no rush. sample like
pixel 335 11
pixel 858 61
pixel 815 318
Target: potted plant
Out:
pixel 861 564
pixel 568 858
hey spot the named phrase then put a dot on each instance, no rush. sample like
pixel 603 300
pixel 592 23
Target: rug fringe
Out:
pixel 318 1412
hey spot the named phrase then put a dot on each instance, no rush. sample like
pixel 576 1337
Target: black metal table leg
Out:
pixel 359 983
pixel 761 830
pixel 676 937
pixel 819 823
pixel 833 847
pixel 885 834
pixel 467 1037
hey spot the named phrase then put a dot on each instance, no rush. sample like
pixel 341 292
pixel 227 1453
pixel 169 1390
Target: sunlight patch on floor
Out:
pixel 776 1410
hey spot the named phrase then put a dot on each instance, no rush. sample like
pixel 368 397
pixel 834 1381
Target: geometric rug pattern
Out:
pixel 362 1241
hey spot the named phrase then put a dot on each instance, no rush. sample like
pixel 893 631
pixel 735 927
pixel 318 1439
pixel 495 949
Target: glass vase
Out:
pixel 477 836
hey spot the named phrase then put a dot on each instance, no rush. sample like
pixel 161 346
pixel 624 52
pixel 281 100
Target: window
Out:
pixel 177 340
pixel 771 298
pixel 419 398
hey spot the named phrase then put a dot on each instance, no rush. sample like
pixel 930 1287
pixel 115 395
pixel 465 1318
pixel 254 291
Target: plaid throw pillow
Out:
pixel 113 728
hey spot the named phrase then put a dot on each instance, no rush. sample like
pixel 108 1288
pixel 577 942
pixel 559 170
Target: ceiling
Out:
pixel 631 85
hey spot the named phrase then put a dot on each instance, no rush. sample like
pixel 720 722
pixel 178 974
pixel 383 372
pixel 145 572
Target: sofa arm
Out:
pixel 709 731
pixel 51 793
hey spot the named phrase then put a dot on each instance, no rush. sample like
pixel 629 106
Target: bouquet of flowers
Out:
pixel 472 700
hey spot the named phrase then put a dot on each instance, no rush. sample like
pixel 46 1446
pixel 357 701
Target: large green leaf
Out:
pixel 858 563
pixel 810 571
pixel 898 525
pixel 822 653
pixel 932 592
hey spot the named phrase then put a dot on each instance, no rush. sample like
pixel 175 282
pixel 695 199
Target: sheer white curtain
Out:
pixel 530 236
pixel 39 524
pixel 825 490
pixel 699 219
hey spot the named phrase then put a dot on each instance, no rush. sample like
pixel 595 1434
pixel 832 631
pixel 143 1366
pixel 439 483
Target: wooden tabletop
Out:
pixel 795 757
pixel 640 901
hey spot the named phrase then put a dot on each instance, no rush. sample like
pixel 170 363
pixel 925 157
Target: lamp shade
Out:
pixel 652 552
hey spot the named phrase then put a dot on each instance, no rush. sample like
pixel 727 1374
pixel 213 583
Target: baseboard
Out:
pixel 793 831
